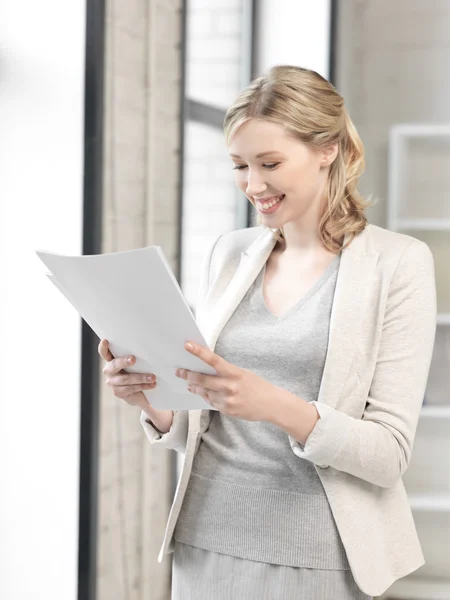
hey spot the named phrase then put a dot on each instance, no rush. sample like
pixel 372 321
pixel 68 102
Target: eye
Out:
pixel 266 165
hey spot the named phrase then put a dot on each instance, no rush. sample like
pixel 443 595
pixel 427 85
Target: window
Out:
pixel 217 67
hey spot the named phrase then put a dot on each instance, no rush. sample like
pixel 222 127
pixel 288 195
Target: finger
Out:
pixel 206 393
pixel 213 382
pixel 198 390
pixel 123 391
pixel 210 358
pixel 117 364
pixel 131 379
pixel 104 351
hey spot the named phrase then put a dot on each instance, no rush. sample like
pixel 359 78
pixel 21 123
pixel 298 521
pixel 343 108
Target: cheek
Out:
pixel 239 179
pixel 300 180
pixel 293 180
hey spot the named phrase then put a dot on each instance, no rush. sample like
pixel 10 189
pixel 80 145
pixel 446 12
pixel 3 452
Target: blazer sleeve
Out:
pixel 176 437
pixel 377 448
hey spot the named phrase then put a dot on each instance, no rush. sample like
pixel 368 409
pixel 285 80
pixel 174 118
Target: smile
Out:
pixel 271 206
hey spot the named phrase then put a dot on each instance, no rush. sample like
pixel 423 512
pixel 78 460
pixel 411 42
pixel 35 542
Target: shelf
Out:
pixel 413 146
pixel 431 411
pixel 443 319
pixel 420 130
pixel 423 224
pixel 411 588
pixel 430 502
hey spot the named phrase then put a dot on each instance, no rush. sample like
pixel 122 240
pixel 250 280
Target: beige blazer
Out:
pixel 382 331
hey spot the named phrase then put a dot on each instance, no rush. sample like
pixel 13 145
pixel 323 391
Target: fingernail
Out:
pixel 129 360
pixel 150 378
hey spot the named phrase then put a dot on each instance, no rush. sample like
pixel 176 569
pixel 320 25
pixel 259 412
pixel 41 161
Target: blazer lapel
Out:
pixel 352 294
pixel 353 288
pixel 218 311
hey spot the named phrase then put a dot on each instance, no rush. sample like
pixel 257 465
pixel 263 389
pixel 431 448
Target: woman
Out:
pixel 320 328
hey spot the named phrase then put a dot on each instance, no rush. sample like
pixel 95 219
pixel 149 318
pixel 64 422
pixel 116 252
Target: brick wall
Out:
pixel 141 162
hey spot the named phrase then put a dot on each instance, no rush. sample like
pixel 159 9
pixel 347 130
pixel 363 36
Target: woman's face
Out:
pixel 269 164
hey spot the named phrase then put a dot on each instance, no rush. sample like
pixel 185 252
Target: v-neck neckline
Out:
pixel 312 290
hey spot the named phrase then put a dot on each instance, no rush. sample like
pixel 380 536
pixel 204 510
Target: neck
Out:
pixel 298 241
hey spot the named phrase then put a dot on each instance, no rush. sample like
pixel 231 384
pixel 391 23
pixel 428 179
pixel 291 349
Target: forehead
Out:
pixel 258 138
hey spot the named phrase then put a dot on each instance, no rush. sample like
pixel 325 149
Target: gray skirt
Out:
pixel 199 574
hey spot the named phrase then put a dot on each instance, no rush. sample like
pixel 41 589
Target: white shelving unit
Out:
pixel 436 412
pixel 443 319
pixel 432 503
pixel 427 479
pixel 424 224
pixel 418 589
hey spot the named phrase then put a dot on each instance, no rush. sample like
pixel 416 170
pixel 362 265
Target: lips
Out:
pixel 273 208
pixel 268 199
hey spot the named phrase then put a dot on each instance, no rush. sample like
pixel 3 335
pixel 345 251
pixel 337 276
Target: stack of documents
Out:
pixel 133 300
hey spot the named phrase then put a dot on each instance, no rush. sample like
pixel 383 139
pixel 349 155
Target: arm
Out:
pixel 175 437
pixel 377 448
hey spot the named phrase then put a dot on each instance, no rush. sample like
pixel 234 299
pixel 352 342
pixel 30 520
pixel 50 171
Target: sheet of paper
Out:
pixel 133 300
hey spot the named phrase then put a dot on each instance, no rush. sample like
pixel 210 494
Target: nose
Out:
pixel 255 185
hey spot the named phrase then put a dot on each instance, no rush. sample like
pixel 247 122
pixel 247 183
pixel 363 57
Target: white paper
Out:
pixel 133 300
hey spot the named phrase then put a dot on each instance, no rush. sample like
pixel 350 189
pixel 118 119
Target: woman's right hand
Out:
pixel 127 386
pixel 130 386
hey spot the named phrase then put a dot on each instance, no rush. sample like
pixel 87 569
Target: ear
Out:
pixel 328 154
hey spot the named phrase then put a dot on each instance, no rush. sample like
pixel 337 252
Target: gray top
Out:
pixel 249 495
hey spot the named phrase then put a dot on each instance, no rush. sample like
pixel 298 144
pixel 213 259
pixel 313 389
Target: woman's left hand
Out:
pixel 234 391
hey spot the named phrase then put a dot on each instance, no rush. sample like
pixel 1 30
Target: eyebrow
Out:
pixel 260 154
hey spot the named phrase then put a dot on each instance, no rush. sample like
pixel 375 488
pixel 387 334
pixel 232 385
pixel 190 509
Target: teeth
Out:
pixel 267 205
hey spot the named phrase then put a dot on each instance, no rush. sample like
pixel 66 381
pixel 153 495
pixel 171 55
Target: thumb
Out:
pixel 104 351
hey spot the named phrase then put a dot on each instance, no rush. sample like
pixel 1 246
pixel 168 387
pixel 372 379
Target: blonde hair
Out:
pixel 312 111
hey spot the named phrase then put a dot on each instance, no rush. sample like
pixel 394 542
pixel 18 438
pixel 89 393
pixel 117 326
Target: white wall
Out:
pixel 293 32
pixel 41 168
